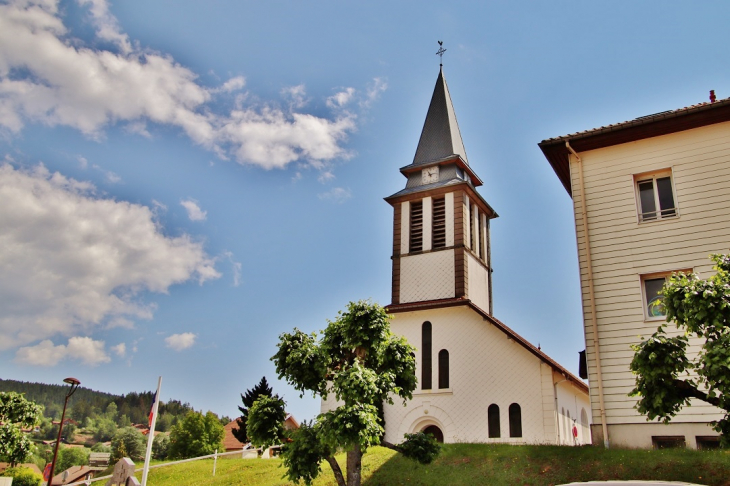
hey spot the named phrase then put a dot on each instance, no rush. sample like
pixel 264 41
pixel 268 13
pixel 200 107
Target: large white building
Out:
pixel 478 380
pixel 651 196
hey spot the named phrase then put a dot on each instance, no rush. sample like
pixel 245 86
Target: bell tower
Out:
pixel 441 251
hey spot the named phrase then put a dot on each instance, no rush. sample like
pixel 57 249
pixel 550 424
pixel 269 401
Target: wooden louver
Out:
pixel 416 239
pixel 439 223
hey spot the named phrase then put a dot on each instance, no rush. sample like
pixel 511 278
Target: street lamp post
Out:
pixel 74 386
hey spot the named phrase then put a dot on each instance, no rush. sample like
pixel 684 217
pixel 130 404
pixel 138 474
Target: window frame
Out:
pixel 655 276
pixel 654 176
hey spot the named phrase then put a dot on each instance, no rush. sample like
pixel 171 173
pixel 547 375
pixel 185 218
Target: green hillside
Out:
pixel 477 464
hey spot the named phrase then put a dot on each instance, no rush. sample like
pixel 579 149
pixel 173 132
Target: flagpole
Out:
pixel 151 435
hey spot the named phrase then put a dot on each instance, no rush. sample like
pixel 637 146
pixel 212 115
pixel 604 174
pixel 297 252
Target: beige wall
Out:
pixel 427 276
pixel 623 249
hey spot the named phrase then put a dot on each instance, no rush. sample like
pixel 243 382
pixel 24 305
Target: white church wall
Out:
pixel 449 207
pixel 427 276
pixel 405 223
pixel 478 283
pixel 485 368
pixel 571 404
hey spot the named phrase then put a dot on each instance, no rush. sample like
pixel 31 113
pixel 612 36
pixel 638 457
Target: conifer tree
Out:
pixel 261 390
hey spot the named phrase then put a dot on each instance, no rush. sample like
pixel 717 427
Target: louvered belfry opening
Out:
pixel 481 242
pixel 473 231
pixel 416 241
pixel 439 223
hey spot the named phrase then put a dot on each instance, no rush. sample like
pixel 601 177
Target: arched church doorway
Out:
pixel 435 432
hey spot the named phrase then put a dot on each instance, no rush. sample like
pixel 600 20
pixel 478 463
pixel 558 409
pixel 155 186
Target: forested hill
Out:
pixel 89 403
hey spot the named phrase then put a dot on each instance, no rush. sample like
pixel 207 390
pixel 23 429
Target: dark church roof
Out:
pixel 440 137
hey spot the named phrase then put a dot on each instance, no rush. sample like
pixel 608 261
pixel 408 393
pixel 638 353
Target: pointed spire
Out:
pixel 440 137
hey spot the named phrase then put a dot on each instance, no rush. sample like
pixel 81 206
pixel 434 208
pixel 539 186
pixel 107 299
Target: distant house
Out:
pixel 72 475
pixel 230 443
pixel 651 196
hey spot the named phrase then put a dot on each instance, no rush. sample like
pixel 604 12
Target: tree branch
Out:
pixel 336 470
pixel 691 391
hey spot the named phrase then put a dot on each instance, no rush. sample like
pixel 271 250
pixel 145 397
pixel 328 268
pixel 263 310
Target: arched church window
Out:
pixel 439 223
pixel 493 421
pixel 515 420
pixel 584 423
pixel 416 236
pixel 426 364
pixel 434 432
pixel 443 369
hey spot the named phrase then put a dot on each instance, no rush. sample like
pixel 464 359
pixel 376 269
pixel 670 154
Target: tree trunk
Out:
pixel 336 470
pixel 354 465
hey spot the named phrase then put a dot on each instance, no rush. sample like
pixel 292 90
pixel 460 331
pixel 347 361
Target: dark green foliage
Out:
pixel 196 435
pixel 128 442
pixel 90 404
pixel 363 364
pixel 23 476
pixel 100 447
pixel 666 379
pixel 420 447
pixel 71 456
pixel 303 455
pixel 262 389
pixel 266 422
pixel 16 413
pixel 161 446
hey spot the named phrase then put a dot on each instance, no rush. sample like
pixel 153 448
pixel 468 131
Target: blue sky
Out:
pixel 181 181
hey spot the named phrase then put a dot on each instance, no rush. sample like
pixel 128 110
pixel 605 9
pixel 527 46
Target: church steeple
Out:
pixel 441 250
pixel 440 137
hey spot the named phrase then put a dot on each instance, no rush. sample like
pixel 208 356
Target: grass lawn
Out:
pixel 476 464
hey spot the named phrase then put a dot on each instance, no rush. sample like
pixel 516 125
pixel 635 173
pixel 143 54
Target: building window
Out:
pixel 482 242
pixel 439 223
pixel 416 240
pixel 653 300
pixel 655 196
pixel 707 442
pixel 668 441
pixel 443 369
pixel 472 227
pixel 434 432
pixel 515 420
pixel 493 421
pixel 426 356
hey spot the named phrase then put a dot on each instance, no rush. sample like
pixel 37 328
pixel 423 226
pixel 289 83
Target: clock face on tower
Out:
pixel 430 175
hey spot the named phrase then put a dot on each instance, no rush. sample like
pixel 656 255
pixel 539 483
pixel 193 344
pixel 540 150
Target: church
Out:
pixel 478 380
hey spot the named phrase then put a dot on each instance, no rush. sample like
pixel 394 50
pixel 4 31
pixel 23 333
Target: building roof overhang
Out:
pixel 511 334
pixel 695 116
pixel 439 188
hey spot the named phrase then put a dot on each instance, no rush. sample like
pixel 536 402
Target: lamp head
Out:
pixel 72 381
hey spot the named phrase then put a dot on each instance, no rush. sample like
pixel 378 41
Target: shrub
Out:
pixel 23 476
pixel 128 442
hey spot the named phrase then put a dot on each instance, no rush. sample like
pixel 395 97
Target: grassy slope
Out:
pixel 469 464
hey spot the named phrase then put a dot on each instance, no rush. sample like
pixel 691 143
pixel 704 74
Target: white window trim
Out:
pixel 653 175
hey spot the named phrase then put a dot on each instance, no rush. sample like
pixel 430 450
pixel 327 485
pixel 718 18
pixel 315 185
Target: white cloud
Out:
pixel 48 76
pixel 84 349
pixel 71 262
pixel 338 100
pixel 325 176
pixel 194 211
pixel 373 92
pixel 178 342
pixel 337 195
pixel 120 349
pixel 236 268
pixel 296 95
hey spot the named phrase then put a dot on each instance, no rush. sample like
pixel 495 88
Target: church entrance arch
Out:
pixel 434 432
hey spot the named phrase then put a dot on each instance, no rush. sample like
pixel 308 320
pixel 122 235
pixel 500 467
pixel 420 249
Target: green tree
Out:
pixel 128 442
pixel 261 390
pixel 71 456
pixel 666 378
pixel 161 446
pixel 105 429
pixel 16 413
pixel 196 435
pixel 364 365
pixel 23 476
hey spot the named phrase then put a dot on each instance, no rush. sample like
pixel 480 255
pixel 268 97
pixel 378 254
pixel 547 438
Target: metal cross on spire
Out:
pixel 441 52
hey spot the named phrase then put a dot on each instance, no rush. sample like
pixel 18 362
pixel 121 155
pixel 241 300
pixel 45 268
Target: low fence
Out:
pixel 245 454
